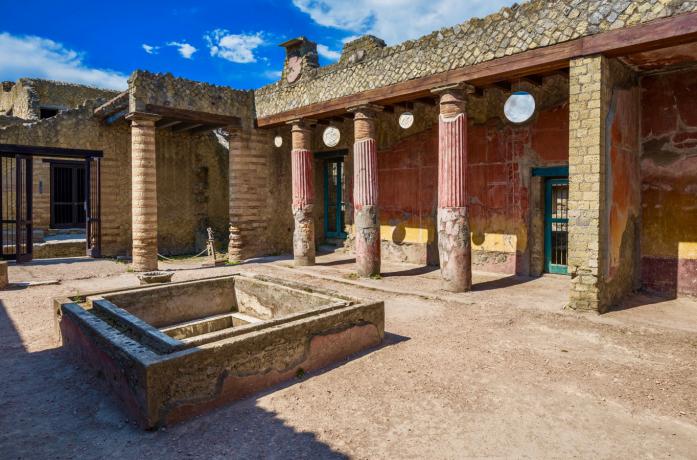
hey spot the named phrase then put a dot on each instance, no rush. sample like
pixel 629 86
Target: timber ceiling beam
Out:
pixel 652 35
pixel 192 116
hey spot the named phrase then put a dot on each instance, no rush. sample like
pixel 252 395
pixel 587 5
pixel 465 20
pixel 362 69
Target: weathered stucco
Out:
pixel 669 183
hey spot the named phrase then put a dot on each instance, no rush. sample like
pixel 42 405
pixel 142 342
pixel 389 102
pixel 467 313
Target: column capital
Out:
pixel 141 117
pixel 301 133
pixel 453 98
pixel 299 124
pixel 365 110
pixel 463 88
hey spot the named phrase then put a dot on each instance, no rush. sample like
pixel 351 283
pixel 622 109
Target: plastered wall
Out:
pixel 669 183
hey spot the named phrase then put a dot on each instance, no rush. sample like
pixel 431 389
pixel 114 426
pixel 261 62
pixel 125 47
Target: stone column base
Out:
pixel 304 237
pixel 234 247
pixel 367 229
pixel 455 250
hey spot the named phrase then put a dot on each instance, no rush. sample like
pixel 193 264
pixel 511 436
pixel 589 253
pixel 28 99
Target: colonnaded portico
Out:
pixel 548 138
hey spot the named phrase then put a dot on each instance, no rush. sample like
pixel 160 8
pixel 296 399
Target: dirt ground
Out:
pixel 502 371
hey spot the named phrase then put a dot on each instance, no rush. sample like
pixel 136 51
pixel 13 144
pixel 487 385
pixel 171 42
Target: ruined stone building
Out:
pixel 550 137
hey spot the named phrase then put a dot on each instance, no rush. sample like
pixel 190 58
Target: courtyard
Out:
pixel 500 371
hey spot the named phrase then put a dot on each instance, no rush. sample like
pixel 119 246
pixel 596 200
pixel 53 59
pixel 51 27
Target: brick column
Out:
pixel 303 193
pixel 143 191
pixel 454 243
pixel 588 107
pixel 235 245
pixel 365 191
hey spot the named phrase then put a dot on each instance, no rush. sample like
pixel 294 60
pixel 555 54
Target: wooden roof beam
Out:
pixel 655 34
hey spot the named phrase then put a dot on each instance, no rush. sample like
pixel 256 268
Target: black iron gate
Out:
pixel 16 207
pixel 16 185
pixel 93 200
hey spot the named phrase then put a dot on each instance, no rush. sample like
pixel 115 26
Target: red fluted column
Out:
pixel 303 194
pixel 365 191
pixel 454 244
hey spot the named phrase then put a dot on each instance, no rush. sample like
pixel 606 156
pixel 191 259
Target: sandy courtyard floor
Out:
pixel 502 371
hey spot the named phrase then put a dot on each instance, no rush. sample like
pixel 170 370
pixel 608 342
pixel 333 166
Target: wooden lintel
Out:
pixel 31 150
pixel 652 35
pixel 192 116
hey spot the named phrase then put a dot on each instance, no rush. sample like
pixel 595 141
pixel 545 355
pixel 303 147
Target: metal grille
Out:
pixel 557 225
pixel 16 208
pixel 93 207
pixel 560 224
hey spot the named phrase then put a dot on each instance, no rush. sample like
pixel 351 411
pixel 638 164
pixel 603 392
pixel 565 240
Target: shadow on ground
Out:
pixel 46 400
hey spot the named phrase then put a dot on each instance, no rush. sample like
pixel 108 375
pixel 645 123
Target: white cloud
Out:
pixel 273 74
pixel 184 49
pixel 150 49
pixel 396 20
pixel 37 57
pixel 237 48
pixel 326 53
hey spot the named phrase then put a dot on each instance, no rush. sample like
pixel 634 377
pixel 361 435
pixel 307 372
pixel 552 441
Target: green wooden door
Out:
pixel 556 226
pixel 334 205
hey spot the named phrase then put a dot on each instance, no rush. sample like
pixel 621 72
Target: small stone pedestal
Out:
pixel 4 279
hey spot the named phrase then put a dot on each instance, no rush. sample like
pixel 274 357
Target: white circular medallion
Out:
pixel 278 141
pixel 519 107
pixel 406 120
pixel 331 136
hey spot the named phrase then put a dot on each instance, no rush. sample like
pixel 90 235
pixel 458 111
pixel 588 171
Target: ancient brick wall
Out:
pixel 603 182
pixel 588 106
pixel 191 179
pixel 669 183
pixel 533 24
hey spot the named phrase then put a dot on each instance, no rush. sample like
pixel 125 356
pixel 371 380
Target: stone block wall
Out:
pixel 588 108
pixel 533 24
pixel 604 196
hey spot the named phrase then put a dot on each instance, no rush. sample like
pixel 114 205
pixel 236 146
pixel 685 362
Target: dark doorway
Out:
pixel 67 194
pixel 16 208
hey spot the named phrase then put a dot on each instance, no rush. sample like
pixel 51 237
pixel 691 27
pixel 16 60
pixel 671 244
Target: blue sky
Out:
pixel 232 43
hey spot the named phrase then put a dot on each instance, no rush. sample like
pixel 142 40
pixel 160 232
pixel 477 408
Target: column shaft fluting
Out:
pixel 365 192
pixel 454 243
pixel 143 191
pixel 303 195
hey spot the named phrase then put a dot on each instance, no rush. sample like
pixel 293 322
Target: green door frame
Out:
pixel 549 221
pixel 339 233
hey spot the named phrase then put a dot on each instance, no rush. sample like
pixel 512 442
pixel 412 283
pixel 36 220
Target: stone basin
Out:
pixel 172 351
pixel 155 277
